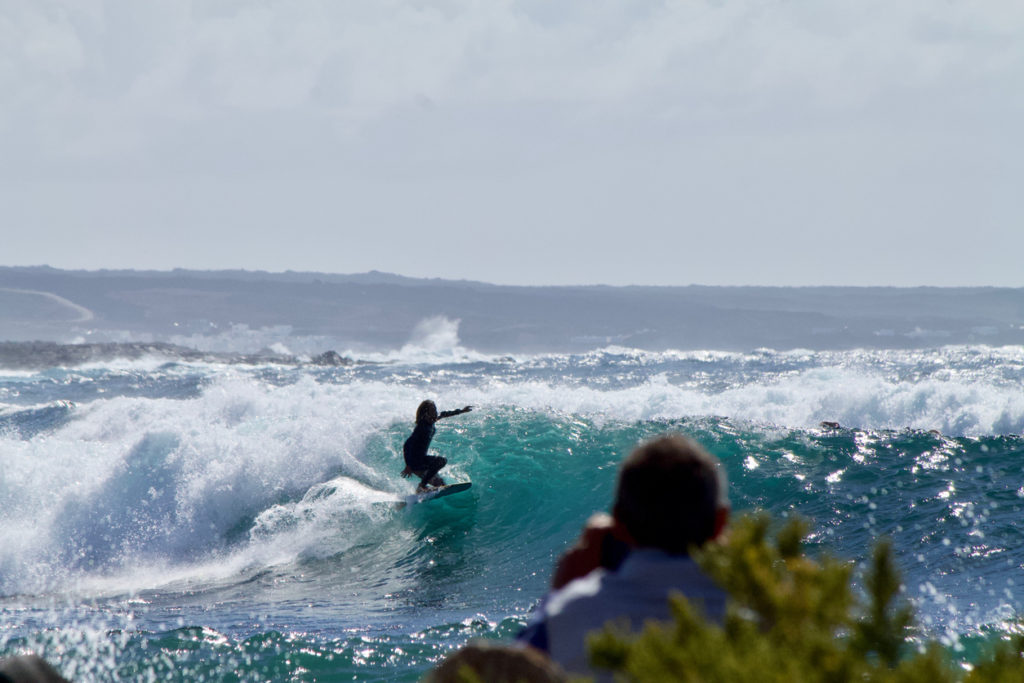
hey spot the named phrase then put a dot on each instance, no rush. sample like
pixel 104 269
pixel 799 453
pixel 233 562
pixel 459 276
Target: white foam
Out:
pixel 146 484
pixel 12 375
pixel 853 396
pixel 325 508
pixel 240 338
pixel 176 475
pixel 434 340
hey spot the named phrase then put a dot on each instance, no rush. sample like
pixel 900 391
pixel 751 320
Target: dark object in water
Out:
pixel 332 358
pixel 28 669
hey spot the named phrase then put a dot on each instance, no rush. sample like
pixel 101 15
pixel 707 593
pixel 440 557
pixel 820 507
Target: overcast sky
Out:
pixel 789 142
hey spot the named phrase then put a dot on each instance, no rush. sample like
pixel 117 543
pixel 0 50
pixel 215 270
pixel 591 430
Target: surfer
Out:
pixel 417 461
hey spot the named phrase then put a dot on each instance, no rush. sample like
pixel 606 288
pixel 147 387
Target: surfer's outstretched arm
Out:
pixel 457 411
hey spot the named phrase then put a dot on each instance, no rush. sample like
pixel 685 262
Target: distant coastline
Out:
pixel 379 310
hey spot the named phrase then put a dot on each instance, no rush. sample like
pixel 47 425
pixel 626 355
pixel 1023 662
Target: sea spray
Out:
pixel 208 518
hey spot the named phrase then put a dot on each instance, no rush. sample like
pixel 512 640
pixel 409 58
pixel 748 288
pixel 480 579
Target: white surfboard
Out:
pixel 439 492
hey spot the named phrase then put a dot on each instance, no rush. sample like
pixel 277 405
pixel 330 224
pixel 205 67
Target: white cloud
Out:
pixel 362 57
pixel 590 114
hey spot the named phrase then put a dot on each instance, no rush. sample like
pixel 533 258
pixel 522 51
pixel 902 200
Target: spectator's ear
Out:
pixel 721 518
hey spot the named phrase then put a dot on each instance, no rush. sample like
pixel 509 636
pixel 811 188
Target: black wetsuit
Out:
pixel 415 449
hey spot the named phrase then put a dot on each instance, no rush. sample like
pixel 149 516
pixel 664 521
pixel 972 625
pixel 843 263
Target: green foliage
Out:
pixel 793 618
pixel 883 628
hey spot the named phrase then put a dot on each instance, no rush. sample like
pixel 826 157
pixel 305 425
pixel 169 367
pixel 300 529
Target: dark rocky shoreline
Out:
pixel 40 355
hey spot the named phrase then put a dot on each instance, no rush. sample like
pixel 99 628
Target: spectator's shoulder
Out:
pixel 556 604
pixel 583 588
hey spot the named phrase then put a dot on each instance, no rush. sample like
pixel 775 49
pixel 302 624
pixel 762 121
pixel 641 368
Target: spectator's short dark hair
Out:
pixel 669 493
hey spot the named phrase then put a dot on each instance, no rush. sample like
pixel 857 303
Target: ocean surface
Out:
pixel 172 520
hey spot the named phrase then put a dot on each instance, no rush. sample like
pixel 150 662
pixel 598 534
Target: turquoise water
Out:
pixel 170 521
